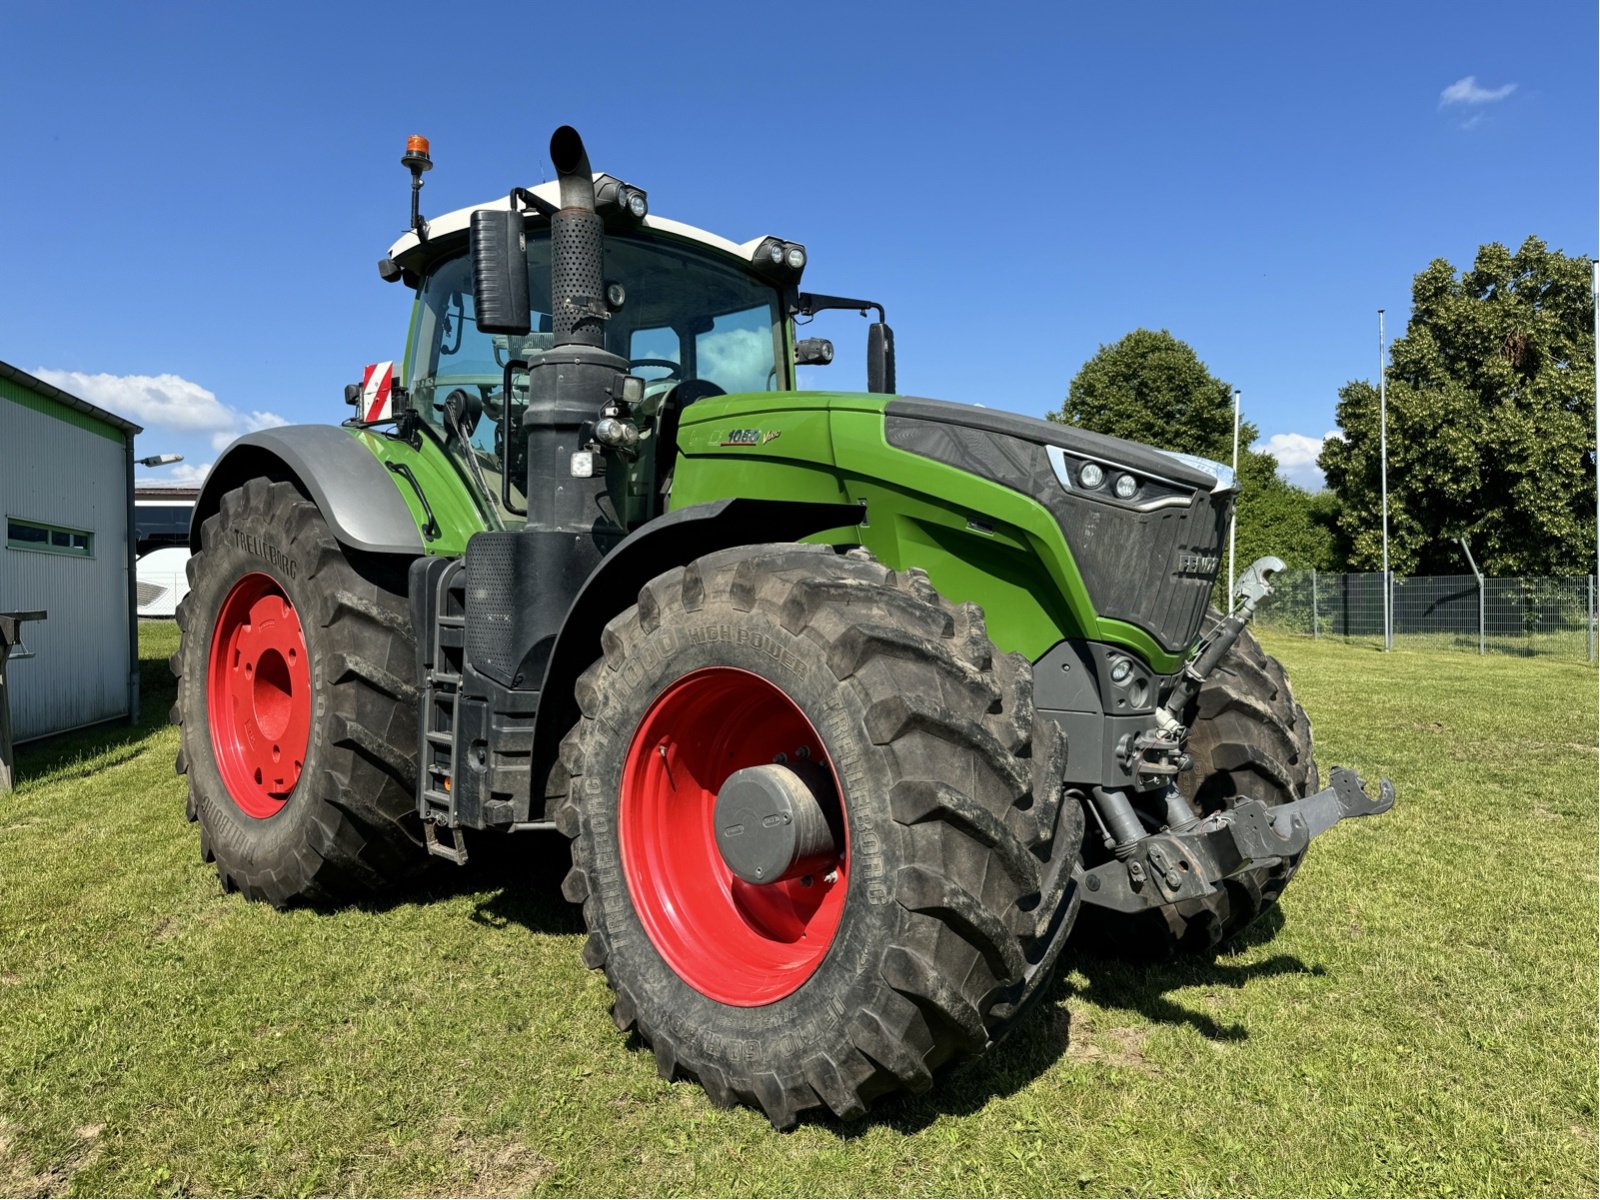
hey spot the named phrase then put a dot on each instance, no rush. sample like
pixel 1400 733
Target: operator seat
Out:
pixel 678 399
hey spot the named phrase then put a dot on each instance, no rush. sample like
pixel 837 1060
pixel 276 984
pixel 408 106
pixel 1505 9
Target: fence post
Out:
pixel 1588 618
pixel 1314 604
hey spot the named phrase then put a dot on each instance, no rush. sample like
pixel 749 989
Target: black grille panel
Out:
pixel 1154 569
pixel 491 603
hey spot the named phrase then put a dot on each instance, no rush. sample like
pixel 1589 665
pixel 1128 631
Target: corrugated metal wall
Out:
pixel 56 473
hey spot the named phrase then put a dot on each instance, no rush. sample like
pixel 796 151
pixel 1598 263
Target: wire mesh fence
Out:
pixel 1524 616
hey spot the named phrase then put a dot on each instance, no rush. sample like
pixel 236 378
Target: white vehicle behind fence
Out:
pixel 163 581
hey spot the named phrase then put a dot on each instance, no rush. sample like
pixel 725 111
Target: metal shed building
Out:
pixel 66 500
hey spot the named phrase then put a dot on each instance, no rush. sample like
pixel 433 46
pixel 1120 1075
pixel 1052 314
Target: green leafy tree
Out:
pixel 1151 387
pixel 1491 408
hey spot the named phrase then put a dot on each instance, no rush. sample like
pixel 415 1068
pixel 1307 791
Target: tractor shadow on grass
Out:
pixel 527 870
pixel 1045 1038
pixel 517 877
pixel 1143 987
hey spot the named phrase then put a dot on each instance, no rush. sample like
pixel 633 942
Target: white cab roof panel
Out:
pixel 455 222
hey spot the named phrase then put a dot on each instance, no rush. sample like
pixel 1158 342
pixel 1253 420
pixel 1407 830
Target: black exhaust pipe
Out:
pixel 572 518
pixel 577 247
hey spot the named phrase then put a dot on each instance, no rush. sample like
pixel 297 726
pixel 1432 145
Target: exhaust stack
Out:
pixel 577 248
pixel 572 518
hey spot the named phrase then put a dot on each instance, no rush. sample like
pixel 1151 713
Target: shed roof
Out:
pixel 51 392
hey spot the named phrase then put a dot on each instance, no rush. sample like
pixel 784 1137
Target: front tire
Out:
pixel 922 939
pixel 297 712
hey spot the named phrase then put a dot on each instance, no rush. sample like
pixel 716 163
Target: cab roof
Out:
pixel 409 251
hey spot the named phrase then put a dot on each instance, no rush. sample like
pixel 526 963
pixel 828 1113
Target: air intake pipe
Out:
pixel 572 517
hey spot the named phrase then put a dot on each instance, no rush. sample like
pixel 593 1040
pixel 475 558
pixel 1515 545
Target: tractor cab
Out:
pixel 691 314
pixel 690 324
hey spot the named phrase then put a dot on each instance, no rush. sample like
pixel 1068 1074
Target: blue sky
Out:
pixel 194 197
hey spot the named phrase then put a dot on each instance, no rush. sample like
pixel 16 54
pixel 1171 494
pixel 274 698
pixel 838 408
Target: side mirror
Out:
pixel 880 357
pixel 500 272
pixel 813 352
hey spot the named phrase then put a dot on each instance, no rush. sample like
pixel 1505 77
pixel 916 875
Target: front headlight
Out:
pixel 1138 489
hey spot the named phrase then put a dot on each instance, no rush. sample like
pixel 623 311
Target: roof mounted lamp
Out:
pixel 416 160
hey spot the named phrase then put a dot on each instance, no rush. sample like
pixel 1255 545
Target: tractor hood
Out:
pixel 1145 526
pixel 1078 446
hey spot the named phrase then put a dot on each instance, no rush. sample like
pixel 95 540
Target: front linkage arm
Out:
pixel 1187 863
pixel 1191 855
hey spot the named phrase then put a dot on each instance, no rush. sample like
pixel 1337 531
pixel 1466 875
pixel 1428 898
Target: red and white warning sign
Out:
pixel 377 385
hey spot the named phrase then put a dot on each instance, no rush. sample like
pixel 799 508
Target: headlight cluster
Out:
pixel 613 197
pixel 1114 483
pixel 780 259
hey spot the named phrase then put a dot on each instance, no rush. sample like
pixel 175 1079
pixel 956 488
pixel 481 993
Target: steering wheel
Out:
pixel 672 368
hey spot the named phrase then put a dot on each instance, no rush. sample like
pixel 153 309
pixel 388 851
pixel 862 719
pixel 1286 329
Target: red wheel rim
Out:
pixel 258 697
pixel 735 942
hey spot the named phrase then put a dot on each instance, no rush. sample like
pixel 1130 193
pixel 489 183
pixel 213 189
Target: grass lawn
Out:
pixel 1419 1020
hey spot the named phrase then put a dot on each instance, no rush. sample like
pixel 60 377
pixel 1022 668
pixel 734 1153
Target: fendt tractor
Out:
pixel 847 702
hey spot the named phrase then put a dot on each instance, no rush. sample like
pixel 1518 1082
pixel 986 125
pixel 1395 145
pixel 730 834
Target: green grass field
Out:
pixel 1420 1020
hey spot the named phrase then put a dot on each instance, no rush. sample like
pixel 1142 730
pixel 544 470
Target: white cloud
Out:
pixel 262 420
pixel 189 473
pixel 1467 91
pixel 167 403
pixel 1297 457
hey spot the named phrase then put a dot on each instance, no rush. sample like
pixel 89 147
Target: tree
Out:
pixel 1491 408
pixel 1151 387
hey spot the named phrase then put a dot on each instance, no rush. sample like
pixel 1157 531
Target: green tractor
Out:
pixel 847 702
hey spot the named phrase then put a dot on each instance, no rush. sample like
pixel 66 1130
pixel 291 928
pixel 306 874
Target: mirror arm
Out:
pixel 809 304
pixel 528 200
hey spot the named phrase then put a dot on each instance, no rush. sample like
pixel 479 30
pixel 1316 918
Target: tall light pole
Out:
pixel 1383 476
pixel 1233 521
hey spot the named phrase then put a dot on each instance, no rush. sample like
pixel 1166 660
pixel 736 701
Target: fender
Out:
pixel 357 495
pixel 668 541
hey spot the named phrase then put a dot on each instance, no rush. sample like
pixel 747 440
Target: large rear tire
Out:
pixel 298 715
pixel 924 936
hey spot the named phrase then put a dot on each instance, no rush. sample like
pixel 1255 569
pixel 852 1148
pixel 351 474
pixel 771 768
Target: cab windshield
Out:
pixel 686 316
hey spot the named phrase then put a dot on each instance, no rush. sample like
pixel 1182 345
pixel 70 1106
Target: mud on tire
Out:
pixel 942 937
pixel 347 828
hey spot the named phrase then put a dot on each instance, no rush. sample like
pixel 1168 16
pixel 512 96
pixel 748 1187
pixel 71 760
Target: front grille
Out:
pixel 1154 570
